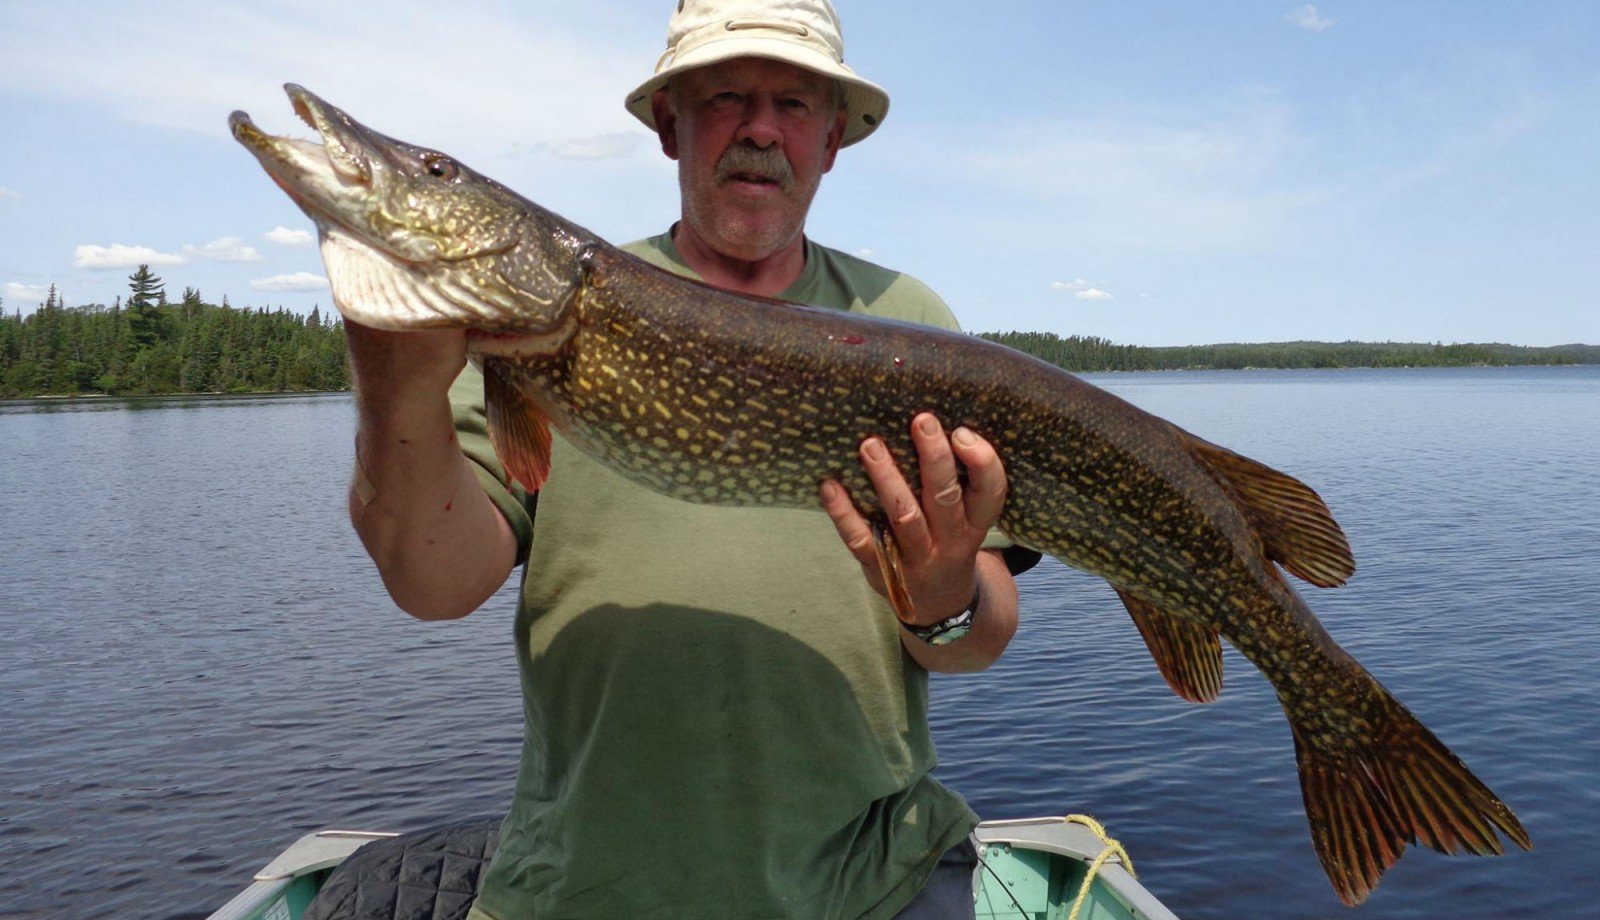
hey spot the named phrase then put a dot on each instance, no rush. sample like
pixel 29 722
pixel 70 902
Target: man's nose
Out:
pixel 760 123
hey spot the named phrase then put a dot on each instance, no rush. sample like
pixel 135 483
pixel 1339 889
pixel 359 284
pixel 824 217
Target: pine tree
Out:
pixel 148 289
pixel 191 303
pixel 143 320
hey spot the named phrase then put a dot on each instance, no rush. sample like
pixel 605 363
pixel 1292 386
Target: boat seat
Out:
pixel 426 875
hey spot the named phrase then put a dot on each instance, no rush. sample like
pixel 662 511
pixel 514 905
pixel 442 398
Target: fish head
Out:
pixel 414 239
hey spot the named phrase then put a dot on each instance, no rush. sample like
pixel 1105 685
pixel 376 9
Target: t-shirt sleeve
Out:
pixel 914 301
pixel 472 430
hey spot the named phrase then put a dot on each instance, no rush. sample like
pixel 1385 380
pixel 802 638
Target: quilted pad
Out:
pixel 427 875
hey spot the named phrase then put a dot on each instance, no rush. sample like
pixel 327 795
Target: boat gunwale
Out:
pixel 326 849
pixel 1058 836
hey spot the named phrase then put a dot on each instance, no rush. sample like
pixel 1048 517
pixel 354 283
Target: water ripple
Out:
pixel 202 665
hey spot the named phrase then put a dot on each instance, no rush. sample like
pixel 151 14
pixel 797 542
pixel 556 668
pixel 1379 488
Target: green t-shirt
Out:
pixel 721 721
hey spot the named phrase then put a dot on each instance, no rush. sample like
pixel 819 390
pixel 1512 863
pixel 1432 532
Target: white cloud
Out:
pixel 1076 284
pixel 1095 294
pixel 27 293
pixel 299 281
pixel 225 249
pixel 9 192
pixel 865 253
pixel 284 236
pixel 1143 296
pixel 492 76
pixel 1307 17
pixel 598 146
pixel 117 255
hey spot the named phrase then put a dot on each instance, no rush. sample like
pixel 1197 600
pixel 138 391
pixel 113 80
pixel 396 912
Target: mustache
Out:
pixel 768 162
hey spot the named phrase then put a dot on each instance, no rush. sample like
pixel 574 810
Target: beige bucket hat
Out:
pixel 804 33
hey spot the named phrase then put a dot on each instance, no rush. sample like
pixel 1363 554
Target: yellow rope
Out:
pixel 1113 848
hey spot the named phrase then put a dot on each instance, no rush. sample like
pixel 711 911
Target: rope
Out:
pixel 1113 848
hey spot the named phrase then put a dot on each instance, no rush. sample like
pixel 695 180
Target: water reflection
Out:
pixel 46 405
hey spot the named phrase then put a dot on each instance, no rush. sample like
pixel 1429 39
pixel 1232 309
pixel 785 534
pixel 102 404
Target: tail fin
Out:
pixel 1406 787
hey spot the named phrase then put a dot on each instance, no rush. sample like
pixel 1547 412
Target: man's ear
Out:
pixel 666 123
pixel 835 138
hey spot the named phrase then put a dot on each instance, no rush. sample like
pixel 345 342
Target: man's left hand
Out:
pixel 940 536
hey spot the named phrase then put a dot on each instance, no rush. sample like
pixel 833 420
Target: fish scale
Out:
pixel 722 399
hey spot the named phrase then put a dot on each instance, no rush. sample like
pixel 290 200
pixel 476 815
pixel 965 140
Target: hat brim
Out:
pixel 865 102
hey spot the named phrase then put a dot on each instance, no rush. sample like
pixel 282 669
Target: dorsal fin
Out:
pixel 1297 530
pixel 1188 653
pixel 519 431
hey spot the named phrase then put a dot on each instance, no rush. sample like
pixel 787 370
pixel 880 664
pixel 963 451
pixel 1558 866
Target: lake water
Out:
pixel 200 663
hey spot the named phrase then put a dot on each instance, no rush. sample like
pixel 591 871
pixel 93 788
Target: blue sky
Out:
pixel 1154 173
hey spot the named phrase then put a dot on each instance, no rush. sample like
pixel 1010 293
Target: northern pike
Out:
pixel 717 398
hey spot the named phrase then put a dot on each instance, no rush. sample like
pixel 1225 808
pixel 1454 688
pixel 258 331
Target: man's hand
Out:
pixel 940 539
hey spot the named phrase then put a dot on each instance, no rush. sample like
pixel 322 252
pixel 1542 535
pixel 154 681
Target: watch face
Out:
pixel 950 635
pixel 945 631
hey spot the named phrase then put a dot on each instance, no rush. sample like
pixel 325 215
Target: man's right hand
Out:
pixel 441 546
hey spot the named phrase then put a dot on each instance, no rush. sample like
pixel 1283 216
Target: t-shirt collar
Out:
pixel 798 291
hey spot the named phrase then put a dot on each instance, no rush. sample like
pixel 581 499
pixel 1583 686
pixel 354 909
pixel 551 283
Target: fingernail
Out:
pixel 929 426
pixel 965 437
pixel 826 490
pixel 874 450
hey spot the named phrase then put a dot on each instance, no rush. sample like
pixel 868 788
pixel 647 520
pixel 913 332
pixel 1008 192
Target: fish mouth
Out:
pixel 387 270
pixel 341 182
pixel 316 175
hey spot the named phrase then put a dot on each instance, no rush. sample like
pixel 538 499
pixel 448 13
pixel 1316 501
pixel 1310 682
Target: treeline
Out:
pixel 148 346
pixel 1091 353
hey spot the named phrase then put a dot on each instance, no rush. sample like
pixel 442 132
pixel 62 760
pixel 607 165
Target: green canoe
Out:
pixel 1033 868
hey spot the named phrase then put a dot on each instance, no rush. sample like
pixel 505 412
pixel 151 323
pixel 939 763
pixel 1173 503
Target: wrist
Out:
pixel 953 627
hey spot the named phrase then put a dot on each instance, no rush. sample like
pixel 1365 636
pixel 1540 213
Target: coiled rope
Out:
pixel 1112 848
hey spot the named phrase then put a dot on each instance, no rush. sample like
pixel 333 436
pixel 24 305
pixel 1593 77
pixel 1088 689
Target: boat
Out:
pixel 1056 868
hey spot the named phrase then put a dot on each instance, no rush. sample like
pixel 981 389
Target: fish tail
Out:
pixel 1366 803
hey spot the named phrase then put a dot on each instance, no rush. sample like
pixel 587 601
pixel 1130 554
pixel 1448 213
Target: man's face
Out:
pixel 752 138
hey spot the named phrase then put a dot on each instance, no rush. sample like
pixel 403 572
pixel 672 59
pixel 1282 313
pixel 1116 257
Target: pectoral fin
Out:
pixel 894 576
pixel 1188 653
pixel 519 431
pixel 1297 530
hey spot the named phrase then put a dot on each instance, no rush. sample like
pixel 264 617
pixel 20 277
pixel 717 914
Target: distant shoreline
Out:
pixel 259 394
pixel 92 397
pixel 1090 354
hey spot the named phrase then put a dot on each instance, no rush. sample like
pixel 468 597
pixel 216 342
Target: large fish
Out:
pixel 722 399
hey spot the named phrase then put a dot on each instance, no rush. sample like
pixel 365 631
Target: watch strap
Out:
pixel 950 628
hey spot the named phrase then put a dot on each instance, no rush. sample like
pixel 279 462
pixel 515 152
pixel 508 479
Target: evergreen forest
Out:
pixel 1091 353
pixel 147 346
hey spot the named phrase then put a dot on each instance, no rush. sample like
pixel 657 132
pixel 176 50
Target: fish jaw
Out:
pixel 411 238
pixel 332 181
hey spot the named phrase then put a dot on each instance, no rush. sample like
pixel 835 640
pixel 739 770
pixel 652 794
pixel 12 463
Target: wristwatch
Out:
pixel 950 628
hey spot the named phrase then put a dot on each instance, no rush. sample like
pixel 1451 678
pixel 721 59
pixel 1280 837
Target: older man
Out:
pixel 724 718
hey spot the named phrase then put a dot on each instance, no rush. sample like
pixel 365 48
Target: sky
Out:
pixel 1153 173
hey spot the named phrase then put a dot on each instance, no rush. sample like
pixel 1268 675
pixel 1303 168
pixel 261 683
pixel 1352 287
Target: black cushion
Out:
pixel 427 875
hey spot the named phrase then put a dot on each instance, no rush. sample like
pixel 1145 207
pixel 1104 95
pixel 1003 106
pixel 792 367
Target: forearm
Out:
pixel 439 543
pixel 992 626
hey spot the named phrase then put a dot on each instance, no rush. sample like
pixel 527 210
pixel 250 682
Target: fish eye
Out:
pixel 441 167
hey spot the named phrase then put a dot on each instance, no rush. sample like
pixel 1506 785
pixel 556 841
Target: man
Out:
pixel 724 717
